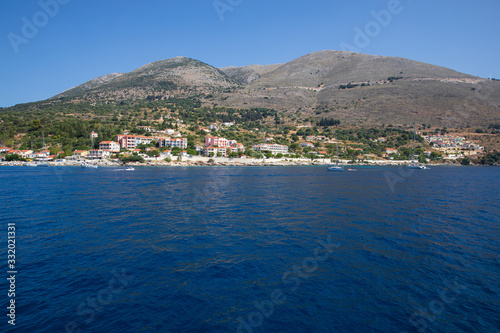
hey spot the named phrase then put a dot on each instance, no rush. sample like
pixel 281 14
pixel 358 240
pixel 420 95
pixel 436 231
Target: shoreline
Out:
pixel 201 161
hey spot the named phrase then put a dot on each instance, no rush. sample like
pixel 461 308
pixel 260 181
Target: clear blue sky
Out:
pixel 82 40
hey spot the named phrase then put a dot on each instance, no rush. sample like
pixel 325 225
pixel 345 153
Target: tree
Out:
pixel 435 155
pixel 134 158
pixel 465 161
pixel 153 153
pixel 13 157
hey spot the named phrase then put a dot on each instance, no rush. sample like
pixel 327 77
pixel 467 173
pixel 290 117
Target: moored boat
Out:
pixel 336 167
pixel 88 165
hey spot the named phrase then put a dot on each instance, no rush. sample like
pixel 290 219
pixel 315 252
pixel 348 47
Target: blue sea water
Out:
pixel 254 249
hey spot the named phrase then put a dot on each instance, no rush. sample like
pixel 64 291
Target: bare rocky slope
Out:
pixel 355 88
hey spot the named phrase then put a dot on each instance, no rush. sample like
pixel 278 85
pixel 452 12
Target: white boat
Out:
pixel 129 168
pixel 31 164
pixel 416 165
pixel 336 167
pixel 88 165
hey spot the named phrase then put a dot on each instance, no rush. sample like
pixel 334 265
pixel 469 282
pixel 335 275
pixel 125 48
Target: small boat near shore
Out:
pixel 335 167
pixel 129 168
pixel 88 165
pixel 415 165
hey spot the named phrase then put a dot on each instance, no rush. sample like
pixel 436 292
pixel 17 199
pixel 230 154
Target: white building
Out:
pixel 213 151
pixel 111 146
pixel 170 142
pixel 273 148
pixel 99 153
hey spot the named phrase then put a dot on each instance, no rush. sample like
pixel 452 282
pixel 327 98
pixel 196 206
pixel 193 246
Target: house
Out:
pixel 390 151
pixel 268 139
pixel 380 140
pixel 110 146
pixel 307 144
pixel 4 149
pixel 214 127
pixel 321 138
pixel 14 151
pixel 148 129
pixel 45 152
pixel 166 153
pixel 80 153
pixel 26 152
pixel 213 151
pixel 235 147
pixel 93 135
pixel 323 152
pixel 131 141
pixel 184 153
pixel 177 142
pixel 310 138
pixel 228 124
pixel 34 155
pixel 215 141
pixel 273 148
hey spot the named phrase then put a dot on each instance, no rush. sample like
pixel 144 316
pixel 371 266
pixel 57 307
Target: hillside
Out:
pixel 357 89
pixel 167 78
pixel 248 74
pixel 365 89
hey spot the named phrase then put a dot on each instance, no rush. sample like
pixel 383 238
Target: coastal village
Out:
pixel 170 147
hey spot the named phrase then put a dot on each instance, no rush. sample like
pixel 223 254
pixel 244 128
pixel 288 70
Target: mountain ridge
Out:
pixel 354 87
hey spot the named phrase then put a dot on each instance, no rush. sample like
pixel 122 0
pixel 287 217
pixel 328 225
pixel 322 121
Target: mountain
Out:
pixel 365 89
pixel 177 76
pixel 355 88
pixel 248 74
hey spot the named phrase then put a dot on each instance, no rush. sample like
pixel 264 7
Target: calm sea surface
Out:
pixel 255 249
